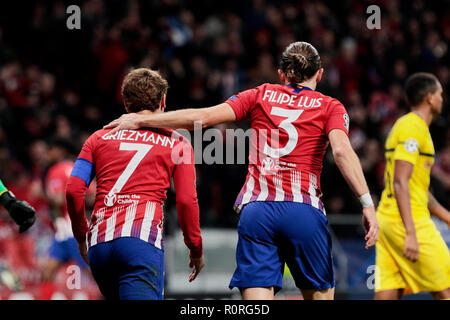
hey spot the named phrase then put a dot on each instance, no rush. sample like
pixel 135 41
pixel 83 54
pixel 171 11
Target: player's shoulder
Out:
pixel 329 103
pixel 99 134
pixel 268 85
pixel 180 140
pixel 410 122
pixel 168 136
pixel 173 135
pixel 103 133
pixel 278 87
pixel 281 87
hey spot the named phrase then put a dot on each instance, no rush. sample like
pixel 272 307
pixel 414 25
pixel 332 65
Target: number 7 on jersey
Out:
pixel 142 150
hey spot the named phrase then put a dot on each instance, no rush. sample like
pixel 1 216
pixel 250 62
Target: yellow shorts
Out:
pixel 431 272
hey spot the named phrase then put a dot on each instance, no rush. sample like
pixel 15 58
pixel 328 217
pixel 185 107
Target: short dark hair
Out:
pixel 299 62
pixel 419 85
pixel 142 89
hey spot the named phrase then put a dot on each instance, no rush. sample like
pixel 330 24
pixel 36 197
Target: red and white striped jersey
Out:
pixel 289 139
pixel 133 170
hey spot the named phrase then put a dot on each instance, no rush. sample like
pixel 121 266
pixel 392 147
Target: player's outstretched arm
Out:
pixel 402 174
pixel 438 210
pixel 350 167
pixel 20 211
pixel 180 119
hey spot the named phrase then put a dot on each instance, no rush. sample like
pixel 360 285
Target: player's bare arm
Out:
pixel 350 167
pixel 402 174
pixel 438 210
pixel 197 264
pixel 180 119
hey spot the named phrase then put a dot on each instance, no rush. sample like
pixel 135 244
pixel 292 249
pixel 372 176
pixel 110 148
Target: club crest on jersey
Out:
pixel 411 145
pixel 267 165
pixel 110 199
pixel 270 166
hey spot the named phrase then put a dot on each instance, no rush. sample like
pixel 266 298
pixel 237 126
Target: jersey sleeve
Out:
pixel 77 185
pixel 75 193
pixel 84 165
pixel 243 102
pixel 187 204
pixel 337 118
pixel 408 144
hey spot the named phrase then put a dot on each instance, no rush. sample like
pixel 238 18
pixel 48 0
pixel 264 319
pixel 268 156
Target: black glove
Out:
pixel 20 211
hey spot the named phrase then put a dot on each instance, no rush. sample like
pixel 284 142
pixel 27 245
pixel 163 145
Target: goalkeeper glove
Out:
pixel 20 211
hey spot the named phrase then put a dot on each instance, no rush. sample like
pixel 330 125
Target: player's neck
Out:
pixel 312 84
pixel 425 113
pixel 149 112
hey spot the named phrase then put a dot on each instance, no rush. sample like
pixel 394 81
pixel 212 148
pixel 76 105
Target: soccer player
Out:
pixel 411 255
pixel 282 219
pixel 64 247
pixel 20 211
pixel 134 170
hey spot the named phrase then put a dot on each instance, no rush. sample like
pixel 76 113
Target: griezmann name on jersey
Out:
pixel 134 169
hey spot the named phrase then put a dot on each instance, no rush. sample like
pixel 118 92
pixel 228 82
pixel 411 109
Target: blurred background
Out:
pixel 56 82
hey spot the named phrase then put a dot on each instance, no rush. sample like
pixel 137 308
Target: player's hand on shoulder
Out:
pixel 197 264
pixel 20 211
pixel 371 226
pixel 129 121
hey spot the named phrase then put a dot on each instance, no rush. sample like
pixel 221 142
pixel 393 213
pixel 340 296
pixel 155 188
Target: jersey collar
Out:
pixel 421 119
pixel 298 88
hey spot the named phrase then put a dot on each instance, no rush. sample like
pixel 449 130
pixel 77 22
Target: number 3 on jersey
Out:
pixel 142 150
pixel 286 124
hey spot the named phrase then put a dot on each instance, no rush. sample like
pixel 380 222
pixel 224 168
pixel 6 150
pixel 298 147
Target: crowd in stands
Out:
pixel 56 82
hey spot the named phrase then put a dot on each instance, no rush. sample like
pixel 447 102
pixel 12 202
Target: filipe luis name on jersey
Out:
pixel 291 99
pixel 141 136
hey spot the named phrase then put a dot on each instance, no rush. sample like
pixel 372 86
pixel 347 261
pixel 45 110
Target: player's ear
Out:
pixel 125 105
pixel 319 74
pixel 428 99
pixel 162 104
pixel 282 75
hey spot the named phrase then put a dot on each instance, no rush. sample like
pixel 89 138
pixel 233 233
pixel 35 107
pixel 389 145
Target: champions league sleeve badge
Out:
pixel 411 145
pixel 346 121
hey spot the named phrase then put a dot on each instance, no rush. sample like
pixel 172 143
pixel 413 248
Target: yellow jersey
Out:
pixel 409 140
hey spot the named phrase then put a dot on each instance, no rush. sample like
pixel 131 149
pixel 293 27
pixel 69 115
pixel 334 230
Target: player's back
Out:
pixel 409 140
pixel 292 126
pixel 133 169
pixel 133 164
